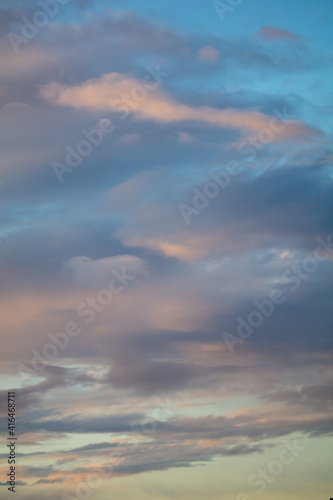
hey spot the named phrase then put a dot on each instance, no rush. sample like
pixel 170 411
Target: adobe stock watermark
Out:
pixel 94 137
pixel 40 19
pixel 265 308
pixel 87 310
pixel 265 476
pixel 220 179
pixel 222 8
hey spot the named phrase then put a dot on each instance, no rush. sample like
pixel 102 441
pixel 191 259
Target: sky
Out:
pixel 166 248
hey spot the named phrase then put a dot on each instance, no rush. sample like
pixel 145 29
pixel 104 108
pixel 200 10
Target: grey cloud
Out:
pixel 108 424
pixel 49 481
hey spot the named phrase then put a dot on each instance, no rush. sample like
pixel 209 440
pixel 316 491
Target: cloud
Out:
pixel 50 481
pixel 103 93
pixel 255 200
pixel 152 377
pixel 94 446
pixel 130 138
pixel 318 397
pixel 184 138
pixel 18 483
pixel 55 377
pixel 97 273
pixel 119 208
pixel 107 424
pixel 274 33
pixel 208 54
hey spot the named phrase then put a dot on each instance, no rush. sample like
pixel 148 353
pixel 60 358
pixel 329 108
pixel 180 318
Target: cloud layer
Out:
pixel 208 197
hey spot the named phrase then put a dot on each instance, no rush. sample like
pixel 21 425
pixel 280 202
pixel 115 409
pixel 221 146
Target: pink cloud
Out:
pixel 208 53
pixel 274 33
pixel 101 94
